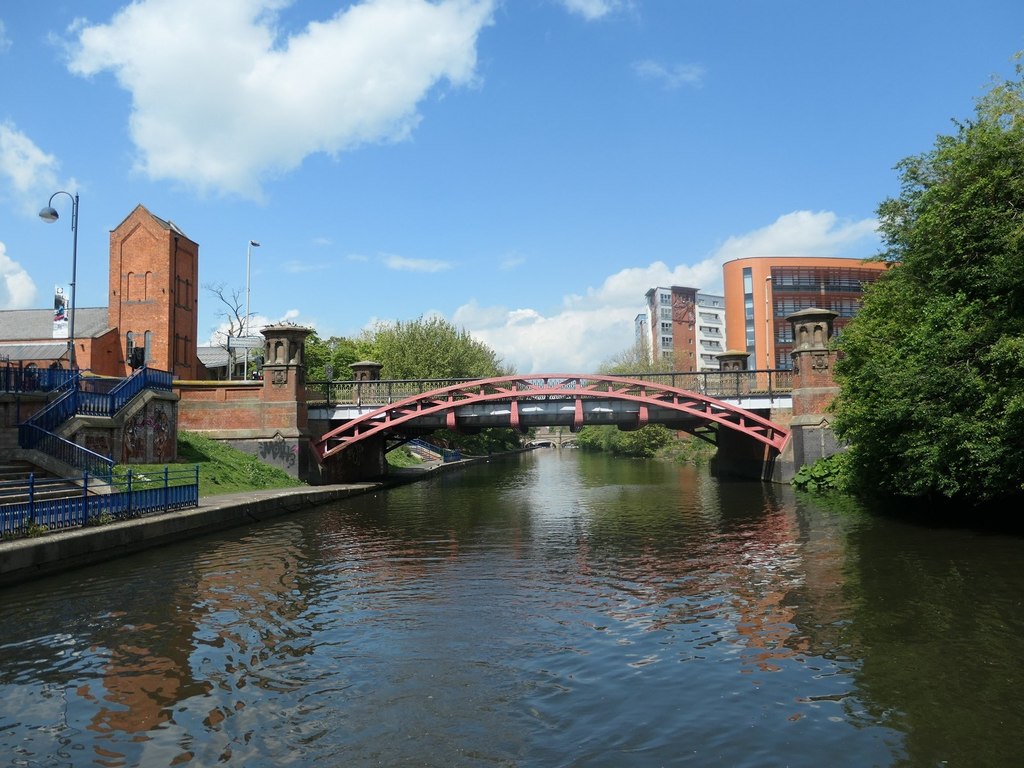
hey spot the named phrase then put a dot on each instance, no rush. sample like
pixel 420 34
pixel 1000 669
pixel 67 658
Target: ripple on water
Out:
pixel 557 610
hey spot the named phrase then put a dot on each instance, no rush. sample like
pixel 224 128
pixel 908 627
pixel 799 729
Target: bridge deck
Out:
pixel 746 389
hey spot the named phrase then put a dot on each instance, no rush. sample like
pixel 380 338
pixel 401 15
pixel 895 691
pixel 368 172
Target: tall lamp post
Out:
pixel 49 215
pixel 767 324
pixel 245 324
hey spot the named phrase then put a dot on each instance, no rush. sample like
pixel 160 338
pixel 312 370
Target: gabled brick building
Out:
pixel 153 307
pixel 154 294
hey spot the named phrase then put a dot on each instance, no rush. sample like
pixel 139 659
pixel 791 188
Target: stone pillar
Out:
pixel 731 364
pixel 366 370
pixel 367 376
pixel 285 418
pixel 732 360
pixel 814 386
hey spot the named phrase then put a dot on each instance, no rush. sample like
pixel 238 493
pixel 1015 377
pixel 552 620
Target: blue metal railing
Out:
pixel 105 397
pixel 15 379
pixel 446 454
pixel 137 495
pixel 32 437
pixel 88 397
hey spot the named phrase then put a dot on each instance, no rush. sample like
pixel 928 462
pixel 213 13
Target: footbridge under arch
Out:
pixel 568 400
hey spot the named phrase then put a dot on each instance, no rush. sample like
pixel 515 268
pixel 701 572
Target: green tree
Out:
pixel 430 348
pixel 636 360
pixel 646 442
pixel 932 368
pixel 338 351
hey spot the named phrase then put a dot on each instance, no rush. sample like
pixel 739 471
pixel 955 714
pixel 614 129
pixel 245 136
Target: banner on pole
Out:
pixel 60 313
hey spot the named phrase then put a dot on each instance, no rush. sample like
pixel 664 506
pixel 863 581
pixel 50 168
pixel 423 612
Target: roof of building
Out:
pixel 165 223
pixel 40 351
pixel 37 324
pixel 213 357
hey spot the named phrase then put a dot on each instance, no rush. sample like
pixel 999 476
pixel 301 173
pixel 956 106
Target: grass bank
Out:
pixel 222 469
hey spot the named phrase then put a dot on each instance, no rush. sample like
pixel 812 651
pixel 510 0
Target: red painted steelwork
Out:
pixel 576 387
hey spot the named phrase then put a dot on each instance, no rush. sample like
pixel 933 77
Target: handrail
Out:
pixel 31 436
pixel 16 379
pixel 769 382
pixel 131 497
pixel 446 454
pixel 87 399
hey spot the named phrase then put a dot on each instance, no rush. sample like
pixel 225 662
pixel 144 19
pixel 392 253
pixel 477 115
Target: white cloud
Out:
pixel 30 173
pixel 403 264
pixel 221 102
pixel 17 291
pixel 671 77
pixel 5 41
pixel 593 328
pixel 595 9
pixel 801 233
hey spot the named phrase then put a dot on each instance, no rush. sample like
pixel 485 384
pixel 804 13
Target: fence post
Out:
pixel 166 487
pixel 130 496
pixel 85 496
pixel 32 497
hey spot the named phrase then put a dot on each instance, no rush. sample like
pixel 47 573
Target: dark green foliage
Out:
pixel 645 443
pixel 932 368
pixel 482 443
pixel 824 475
pixel 336 351
pixel 426 348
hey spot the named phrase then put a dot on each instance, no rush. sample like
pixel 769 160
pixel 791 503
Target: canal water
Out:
pixel 555 609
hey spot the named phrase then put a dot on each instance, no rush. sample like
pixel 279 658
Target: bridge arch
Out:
pixel 554 399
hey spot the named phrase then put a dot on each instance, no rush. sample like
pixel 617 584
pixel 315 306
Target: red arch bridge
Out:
pixel 569 400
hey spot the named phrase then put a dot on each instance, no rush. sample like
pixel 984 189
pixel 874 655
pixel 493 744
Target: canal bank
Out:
pixel 32 558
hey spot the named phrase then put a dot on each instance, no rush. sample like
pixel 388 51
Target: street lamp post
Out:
pixel 49 215
pixel 245 323
pixel 767 324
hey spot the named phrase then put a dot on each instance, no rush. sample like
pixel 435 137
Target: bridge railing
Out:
pixel 718 384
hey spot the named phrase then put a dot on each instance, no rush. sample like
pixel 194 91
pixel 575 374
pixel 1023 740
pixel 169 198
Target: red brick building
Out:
pixel 153 307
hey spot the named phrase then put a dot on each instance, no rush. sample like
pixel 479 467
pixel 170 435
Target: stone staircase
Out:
pixel 14 483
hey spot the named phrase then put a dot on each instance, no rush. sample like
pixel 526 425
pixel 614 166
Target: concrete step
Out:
pixel 14 483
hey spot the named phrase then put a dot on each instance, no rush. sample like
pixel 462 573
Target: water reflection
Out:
pixel 557 610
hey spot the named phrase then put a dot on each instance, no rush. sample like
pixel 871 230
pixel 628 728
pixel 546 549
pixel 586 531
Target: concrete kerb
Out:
pixel 26 559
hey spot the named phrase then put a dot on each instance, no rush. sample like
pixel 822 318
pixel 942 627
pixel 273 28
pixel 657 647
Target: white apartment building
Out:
pixel 682 325
pixel 710 330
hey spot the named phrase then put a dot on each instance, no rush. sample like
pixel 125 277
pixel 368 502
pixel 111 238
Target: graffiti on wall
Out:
pixel 279 452
pixel 148 435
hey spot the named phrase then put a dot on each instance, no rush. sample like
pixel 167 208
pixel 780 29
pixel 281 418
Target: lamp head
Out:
pixel 49 214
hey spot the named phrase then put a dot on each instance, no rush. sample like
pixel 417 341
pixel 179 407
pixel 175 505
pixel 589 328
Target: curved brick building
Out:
pixel 760 292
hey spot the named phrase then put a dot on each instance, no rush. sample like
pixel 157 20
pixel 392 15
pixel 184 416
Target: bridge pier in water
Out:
pixel 361 462
pixel 814 389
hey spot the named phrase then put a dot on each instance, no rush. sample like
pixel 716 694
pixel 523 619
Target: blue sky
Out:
pixel 523 168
